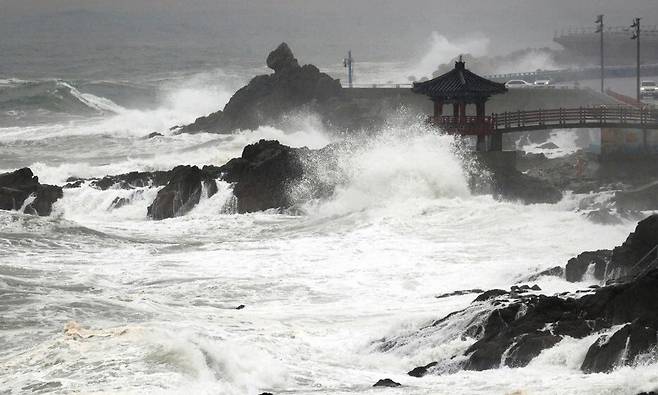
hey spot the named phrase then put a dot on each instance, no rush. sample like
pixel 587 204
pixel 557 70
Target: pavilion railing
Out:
pixel 468 125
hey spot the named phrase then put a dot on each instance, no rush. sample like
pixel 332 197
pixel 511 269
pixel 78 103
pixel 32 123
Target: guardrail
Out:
pixel 576 118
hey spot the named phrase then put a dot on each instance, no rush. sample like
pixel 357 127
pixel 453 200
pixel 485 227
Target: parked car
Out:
pixel 649 89
pixel 542 83
pixel 516 84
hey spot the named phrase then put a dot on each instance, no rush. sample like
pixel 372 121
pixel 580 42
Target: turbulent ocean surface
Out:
pixel 101 300
pixel 95 299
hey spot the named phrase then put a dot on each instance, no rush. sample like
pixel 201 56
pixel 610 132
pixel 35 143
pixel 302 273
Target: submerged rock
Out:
pixel 17 186
pixel 182 192
pixel 421 370
pixel 386 383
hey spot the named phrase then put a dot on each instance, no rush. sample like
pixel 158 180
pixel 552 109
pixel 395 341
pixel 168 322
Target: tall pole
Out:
pixel 347 62
pixel 599 29
pixel 636 37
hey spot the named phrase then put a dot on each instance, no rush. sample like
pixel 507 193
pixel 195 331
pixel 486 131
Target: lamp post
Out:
pixel 599 29
pixel 348 62
pixel 636 36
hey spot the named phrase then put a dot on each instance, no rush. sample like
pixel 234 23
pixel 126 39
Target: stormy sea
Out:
pixel 325 296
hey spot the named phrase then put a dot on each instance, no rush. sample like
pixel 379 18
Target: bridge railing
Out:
pixel 597 116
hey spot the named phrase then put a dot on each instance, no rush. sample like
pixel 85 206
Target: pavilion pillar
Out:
pixel 462 112
pixel 455 111
pixel 438 109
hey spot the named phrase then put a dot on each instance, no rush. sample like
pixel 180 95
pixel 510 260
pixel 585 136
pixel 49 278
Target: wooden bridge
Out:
pixel 561 118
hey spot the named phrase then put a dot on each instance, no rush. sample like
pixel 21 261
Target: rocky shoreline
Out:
pixel 511 328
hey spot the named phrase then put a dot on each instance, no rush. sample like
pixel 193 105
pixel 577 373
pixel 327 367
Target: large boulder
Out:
pixel 578 266
pixel 268 99
pixel 182 192
pixel 634 255
pixel 622 348
pixel 266 174
pixel 17 186
pixel 282 59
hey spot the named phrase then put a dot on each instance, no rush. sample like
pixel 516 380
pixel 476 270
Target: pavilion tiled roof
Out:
pixel 459 83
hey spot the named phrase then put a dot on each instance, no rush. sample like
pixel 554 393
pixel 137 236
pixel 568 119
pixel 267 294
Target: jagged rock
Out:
pixel 490 294
pixel 282 59
pixel 578 266
pixel 182 192
pixel 625 258
pixel 132 180
pixel 154 134
pixel 526 327
pixel 267 171
pixel 622 348
pixel 386 383
pixel 421 370
pixel 119 202
pixel 267 99
pixel 557 271
pixel 19 185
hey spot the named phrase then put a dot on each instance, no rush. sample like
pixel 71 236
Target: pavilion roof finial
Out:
pixel 460 64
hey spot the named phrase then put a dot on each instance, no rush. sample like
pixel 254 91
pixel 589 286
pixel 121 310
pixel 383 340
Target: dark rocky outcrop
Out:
pixel 17 186
pixel 182 192
pixel 578 266
pixel 421 370
pixel 268 99
pixel 517 332
pixel 267 172
pixel 634 255
pixel 386 383
pixel 511 328
pixel 556 271
pixel 622 348
pixel 134 179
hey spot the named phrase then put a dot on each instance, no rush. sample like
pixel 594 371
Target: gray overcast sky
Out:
pixel 319 31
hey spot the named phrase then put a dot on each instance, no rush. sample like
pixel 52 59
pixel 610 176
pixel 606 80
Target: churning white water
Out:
pixel 99 299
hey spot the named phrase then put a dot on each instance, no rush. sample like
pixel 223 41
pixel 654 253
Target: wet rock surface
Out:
pixel 386 383
pixel 270 175
pixel 18 186
pixel 182 192
pixel 511 328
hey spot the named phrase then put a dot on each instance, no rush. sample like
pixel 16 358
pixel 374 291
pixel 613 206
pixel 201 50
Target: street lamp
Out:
pixel 636 36
pixel 599 29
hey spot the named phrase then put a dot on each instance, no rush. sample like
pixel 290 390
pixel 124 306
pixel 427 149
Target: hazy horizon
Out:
pixel 76 37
